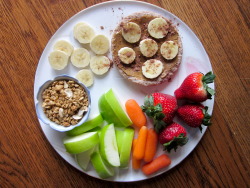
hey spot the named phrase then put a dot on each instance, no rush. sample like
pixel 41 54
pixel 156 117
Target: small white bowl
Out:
pixel 39 109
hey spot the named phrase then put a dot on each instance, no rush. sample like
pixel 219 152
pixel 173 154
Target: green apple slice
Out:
pixel 117 108
pixel 108 145
pixel 119 139
pixel 86 126
pixel 83 158
pixel 124 142
pixel 96 129
pixel 107 112
pixel 103 169
pixel 81 143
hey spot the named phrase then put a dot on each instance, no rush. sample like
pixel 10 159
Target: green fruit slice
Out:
pixel 86 126
pixel 107 112
pixel 117 108
pixel 81 143
pixel 124 141
pixel 108 145
pixel 102 168
pixel 83 158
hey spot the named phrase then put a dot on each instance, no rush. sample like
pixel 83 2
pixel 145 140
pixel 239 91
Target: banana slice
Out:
pixel 58 60
pixel 86 77
pixel 131 32
pixel 83 32
pixel 148 47
pixel 99 44
pixel 126 55
pixel 99 64
pixel 169 49
pixel 158 28
pixel 80 58
pixel 152 68
pixel 63 46
pixel 75 28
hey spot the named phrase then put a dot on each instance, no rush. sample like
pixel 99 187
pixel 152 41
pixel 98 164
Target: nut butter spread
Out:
pixel 133 71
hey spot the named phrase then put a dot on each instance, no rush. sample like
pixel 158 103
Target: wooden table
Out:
pixel 221 159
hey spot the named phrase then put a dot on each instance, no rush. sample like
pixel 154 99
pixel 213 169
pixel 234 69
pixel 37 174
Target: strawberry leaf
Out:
pixel 207 79
pixel 155 112
pixel 177 141
pixel 207 117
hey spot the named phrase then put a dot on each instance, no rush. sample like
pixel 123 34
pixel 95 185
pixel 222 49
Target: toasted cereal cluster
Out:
pixel 65 102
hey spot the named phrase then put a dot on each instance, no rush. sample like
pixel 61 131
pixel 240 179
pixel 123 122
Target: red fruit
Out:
pixel 173 136
pixel 195 88
pixel 194 115
pixel 161 107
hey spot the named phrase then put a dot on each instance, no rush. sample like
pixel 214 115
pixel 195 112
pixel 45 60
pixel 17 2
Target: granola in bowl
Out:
pixel 63 103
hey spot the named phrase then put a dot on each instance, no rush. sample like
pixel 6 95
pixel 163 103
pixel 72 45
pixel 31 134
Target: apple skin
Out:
pixel 124 142
pixel 83 158
pixel 108 145
pixel 81 143
pixel 103 169
pixel 117 108
pixel 107 112
pixel 86 126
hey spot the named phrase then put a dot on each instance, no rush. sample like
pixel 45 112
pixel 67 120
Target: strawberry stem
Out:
pixel 207 79
pixel 177 141
pixel 207 117
pixel 155 112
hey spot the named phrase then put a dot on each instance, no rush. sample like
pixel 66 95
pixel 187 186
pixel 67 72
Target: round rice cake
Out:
pixel 133 71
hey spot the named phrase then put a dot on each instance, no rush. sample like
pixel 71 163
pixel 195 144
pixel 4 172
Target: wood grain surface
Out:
pixel 222 157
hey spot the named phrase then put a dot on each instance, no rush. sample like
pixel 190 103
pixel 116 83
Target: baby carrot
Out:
pixel 135 113
pixel 157 164
pixel 136 164
pixel 151 145
pixel 141 143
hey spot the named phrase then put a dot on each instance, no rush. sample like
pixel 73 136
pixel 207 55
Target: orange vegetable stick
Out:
pixel 135 113
pixel 136 164
pixel 141 143
pixel 151 145
pixel 157 164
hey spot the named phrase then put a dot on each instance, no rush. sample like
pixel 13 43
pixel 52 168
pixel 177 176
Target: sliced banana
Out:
pixel 99 64
pixel 80 58
pixel 131 32
pixel 75 28
pixel 152 68
pixel 169 49
pixel 158 28
pixel 126 55
pixel 86 77
pixel 99 44
pixel 148 47
pixel 64 46
pixel 58 60
pixel 83 32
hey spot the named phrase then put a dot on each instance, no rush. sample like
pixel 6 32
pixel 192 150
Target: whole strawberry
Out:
pixel 194 115
pixel 173 136
pixel 195 88
pixel 161 107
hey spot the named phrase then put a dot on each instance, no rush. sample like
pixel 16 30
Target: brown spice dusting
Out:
pixel 101 27
pixel 129 54
pixel 64 102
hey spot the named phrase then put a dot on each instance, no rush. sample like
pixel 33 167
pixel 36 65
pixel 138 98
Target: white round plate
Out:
pixel 104 18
